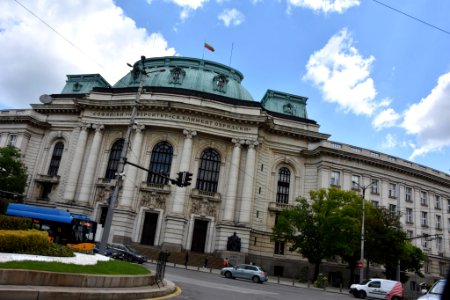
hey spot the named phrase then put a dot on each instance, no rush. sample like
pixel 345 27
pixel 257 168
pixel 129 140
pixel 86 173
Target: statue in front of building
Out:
pixel 234 243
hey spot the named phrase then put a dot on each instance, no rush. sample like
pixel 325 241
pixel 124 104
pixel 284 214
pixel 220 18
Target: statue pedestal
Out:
pixel 234 258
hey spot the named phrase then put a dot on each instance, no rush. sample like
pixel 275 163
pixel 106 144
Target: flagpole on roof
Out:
pixel 203 53
pixel 231 53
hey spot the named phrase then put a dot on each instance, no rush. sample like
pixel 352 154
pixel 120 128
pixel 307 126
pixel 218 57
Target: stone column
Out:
pixel 230 196
pixel 180 193
pixel 91 165
pixel 129 184
pixel 74 171
pixel 247 191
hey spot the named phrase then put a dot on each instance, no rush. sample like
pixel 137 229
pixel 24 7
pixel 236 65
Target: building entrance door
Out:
pixel 149 229
pixel 199 236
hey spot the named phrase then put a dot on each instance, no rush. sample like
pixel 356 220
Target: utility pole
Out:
pixel 138 71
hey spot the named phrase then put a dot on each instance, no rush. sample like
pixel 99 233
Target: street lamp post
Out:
pixel 138 72
pixel 363 188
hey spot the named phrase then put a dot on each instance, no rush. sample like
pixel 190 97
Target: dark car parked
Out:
pixel 124 252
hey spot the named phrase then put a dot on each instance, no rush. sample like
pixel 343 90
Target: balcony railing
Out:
pixel 277 206
pixel 211 196
pixel 146 186
pixel 47 178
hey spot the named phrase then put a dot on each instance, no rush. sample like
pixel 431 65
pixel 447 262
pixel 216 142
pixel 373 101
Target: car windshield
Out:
pixel 438 287
pixel 365 281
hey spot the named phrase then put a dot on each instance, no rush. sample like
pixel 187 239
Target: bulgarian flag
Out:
pixel 209 47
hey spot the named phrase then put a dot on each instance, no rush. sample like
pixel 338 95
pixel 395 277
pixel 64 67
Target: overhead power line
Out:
pixel 61 35
pixel 412 17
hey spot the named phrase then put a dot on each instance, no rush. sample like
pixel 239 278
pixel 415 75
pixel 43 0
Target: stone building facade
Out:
pixel 249 159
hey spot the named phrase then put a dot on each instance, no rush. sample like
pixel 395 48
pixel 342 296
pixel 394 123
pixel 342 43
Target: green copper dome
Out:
pixel 190 74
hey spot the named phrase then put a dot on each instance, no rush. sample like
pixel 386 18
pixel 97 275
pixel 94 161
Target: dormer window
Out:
pixel 177 75
pixel 220 83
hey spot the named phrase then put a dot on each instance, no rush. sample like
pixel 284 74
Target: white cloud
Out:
pixel 385 119
pixel 389 142
pixel 35 60
pixel 429 119
pixel 231 17
pixel 343 75
pixel 326 6
pixel 192 4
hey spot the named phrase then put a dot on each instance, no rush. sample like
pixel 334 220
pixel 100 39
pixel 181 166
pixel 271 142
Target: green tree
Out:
pixel 318 229
pixel 13 176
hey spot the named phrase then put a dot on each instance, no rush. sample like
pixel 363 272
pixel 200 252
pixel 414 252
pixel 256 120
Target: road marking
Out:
pixel 174 294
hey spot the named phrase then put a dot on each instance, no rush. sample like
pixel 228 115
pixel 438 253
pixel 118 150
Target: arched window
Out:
pixel 208 172
pixel 284 178
pixel 160 162
pixel 56 159
pixel 114 159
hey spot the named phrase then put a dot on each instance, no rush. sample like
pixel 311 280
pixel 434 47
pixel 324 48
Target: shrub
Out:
pixel 31 242
pixel 18 223
pixel 321 281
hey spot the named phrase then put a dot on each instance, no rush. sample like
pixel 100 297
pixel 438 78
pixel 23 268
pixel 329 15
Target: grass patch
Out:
pixel 111 267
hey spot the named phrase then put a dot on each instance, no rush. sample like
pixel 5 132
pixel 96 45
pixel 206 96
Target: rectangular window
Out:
pixel 374 186
pixel 423 198
pixel 392 190
pixel 375 203
pixel 279 248
pixel 439 244
pixel 409 215
pixel 425 240
pixel 437 201
pixel 408 194
pixel 426 267
pixel 442 268
pixel 355 182
pixel 448 205
pixel 438 222
pixel 409 234
pixel 12 140
pixel 393 208
pixel 335 180
pixel 424 219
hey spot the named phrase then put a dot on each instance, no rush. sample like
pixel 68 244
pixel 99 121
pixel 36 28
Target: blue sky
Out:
pixel 374 77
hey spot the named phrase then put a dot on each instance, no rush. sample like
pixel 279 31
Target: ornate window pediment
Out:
pixel 77 86
pixel 177 75
pixel 220 83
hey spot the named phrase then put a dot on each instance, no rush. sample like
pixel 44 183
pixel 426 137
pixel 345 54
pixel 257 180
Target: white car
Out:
pixel 435 292
pixel 378 288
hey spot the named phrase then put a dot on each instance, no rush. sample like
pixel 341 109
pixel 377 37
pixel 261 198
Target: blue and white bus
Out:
pixel 73 230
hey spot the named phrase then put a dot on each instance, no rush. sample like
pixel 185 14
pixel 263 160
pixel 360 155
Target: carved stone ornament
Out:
pixel 177 75
pixel 153 200
pixel 203 207
pixel 103 195
pixel 220 83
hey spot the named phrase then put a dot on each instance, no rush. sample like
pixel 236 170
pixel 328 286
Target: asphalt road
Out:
pixel 197 285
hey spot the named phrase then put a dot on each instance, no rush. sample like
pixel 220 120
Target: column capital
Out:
pixel 251 143
pixel 189 133
pixel 84 126
pixel 139 128
pixel 238 142
pixel 98 127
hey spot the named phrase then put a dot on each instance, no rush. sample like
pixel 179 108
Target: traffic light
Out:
pixel 179 181
pixel 187 178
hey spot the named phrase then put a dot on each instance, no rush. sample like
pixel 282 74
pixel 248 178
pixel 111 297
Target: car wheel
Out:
pixel 361 294
pixel 255 279
pixel 228 274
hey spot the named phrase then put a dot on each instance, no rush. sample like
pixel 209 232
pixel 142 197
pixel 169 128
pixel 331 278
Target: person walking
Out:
pixel 225 262
pixel 186 259
pixel 205 263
